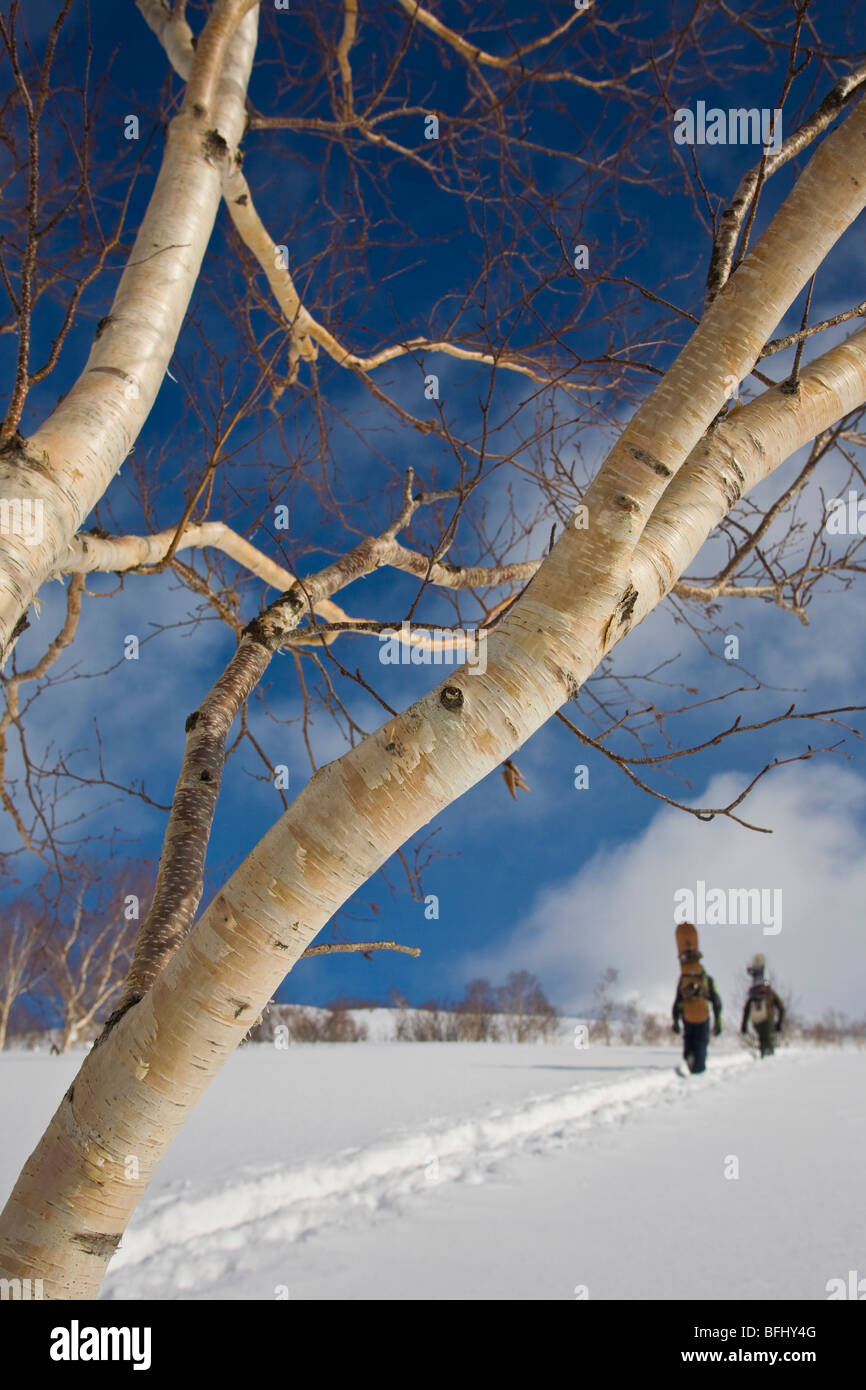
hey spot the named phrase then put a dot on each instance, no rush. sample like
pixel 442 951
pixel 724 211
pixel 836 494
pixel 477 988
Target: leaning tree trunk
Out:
pixel 73 1200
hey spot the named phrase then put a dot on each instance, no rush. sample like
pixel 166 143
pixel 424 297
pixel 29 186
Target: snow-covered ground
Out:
pixel 492 1171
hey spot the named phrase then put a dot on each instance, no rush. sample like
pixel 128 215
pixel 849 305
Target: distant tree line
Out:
pixel 517 1011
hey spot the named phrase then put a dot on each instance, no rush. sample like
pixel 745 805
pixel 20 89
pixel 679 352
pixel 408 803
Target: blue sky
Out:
pixel 562 882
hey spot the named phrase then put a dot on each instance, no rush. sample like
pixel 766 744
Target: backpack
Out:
pixel 693 993
pixel 759 1004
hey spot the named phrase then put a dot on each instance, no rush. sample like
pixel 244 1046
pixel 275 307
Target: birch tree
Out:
pixel 21 966
pixel 88 958
pixel 672 476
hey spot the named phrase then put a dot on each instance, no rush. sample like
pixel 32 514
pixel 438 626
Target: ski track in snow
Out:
pixel 186 1242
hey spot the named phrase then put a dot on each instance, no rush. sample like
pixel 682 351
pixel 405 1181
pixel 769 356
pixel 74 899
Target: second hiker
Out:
pixel 764 1009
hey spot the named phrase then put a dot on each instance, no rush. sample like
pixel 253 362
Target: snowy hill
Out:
pixel 460 1170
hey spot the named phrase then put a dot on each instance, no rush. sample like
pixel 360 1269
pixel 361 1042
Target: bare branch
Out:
pixel 341 947
pixel 732 218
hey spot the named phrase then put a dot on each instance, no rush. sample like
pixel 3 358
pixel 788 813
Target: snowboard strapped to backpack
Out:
pixel 693 989
pixel 760 997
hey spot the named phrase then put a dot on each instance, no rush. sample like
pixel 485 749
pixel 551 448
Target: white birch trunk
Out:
pixel 68 463
pixel 73 1200
pixel 744 449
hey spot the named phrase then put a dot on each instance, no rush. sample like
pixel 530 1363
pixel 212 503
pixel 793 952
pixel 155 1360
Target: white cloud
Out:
pixel 618 910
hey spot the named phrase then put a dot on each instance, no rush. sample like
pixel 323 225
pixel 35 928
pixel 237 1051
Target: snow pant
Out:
pixel 765 1032
pixel 696 1037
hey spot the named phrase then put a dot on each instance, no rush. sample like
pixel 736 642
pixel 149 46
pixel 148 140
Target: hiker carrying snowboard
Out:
pixel 696 993
pixel 764 1009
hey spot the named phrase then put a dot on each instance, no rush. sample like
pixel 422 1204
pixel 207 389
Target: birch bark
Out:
pixel 744 449
pixel 71 458
pixel 725 346
pixel 74 1198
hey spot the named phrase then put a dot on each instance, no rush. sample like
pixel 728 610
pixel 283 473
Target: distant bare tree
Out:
pixel 527 1015
pixel 295 1023
pixel 88 956
pixel 22 959
pixel 477 1013
pixel 604 1005
pixel 653 1030
pixel 835 1029
pixel 630 1022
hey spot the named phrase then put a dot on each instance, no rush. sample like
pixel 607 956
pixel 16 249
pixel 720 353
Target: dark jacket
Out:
pixel 758 993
